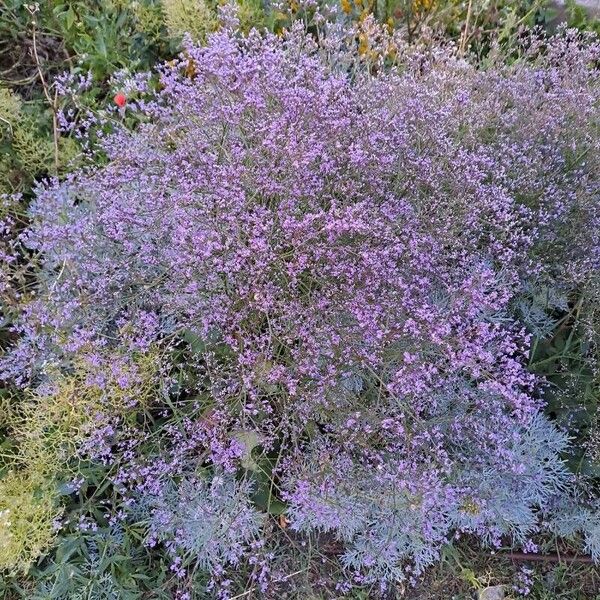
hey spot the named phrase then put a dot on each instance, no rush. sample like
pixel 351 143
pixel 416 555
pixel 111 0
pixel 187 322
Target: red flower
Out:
pixel 120 99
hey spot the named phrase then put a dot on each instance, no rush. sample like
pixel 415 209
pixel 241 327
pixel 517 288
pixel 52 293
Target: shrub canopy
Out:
pixel 328 258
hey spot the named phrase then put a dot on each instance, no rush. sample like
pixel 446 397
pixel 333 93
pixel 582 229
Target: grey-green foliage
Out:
pixel 510 499
pixel 384 527
pixel 536 306
pixel 94 565
pixel 574 516
pixel 210 522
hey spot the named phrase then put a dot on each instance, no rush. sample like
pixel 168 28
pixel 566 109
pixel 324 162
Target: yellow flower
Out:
pixel 363 44
pixel 422 5
pixel 470 507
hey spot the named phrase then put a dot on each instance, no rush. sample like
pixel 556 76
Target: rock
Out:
pixel 494 592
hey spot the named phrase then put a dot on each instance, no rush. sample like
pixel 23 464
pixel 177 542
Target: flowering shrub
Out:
pixel 332 258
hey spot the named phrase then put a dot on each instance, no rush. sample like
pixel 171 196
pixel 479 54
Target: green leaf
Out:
pixel 264 497
pixel 196 343
pixel 250 440
pixel 101 45
pixel 70 17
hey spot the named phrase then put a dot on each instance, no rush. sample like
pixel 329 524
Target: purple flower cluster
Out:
pixel 345 248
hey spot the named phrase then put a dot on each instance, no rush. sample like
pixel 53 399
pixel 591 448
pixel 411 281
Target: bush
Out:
pixel 329 256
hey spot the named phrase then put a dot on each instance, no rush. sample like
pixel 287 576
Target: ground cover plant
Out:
pixel 293 320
